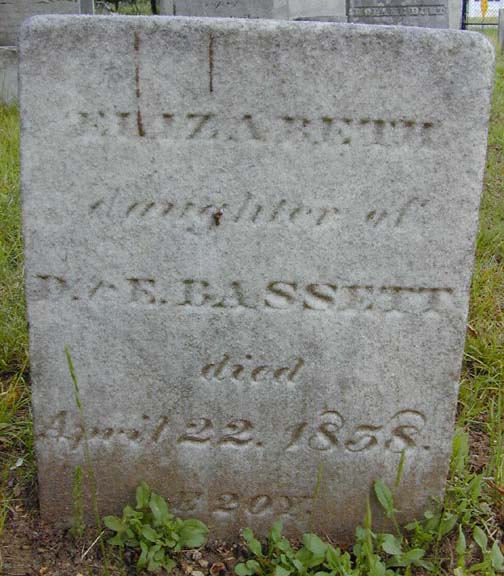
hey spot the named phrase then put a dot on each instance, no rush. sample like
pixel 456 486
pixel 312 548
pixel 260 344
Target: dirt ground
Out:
pixel 28 547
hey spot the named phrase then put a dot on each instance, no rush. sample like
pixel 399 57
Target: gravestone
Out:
pixel 8 74
pixel 13 12
pixel 86 7
pixel 255 239
pixel 330 10
pixel 225 8
pixel 455 14
pixel 501 29
pixel 321 10
pixel 427 13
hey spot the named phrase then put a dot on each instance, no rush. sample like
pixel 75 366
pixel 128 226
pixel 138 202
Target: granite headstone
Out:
pixel 8 74
pixel 501 29
pixel 13 12
pixel 256 240
pixel 423 13
pixel 329 10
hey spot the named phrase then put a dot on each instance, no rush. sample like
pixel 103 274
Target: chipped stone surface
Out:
pixel 424 13
pixel 8 74
pixel 256 239
pixel 13 12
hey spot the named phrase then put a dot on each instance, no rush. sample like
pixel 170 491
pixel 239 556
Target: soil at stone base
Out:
pixel 28 547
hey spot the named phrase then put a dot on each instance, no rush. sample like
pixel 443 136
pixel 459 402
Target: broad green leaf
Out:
pixel 242 570
pixel 461 542
pixel 142 560
pixel 276 531
pixel 377 568
pixel 168 564
pixel 280 571
pixel 116 540
pixel 159 509
pixel 333 557
pixel 253 544
pixel 384 496
pixel 496 557
pixel 314 544
pixel 193 533
pixel 153 566
pixel 114 523
pixel 412 556
pixel 247 534
pixel 149 534
pixel 391 545
pixel 447 524
pixel 316 561
pixel 254 566
pixel 142 495
pixel 480 538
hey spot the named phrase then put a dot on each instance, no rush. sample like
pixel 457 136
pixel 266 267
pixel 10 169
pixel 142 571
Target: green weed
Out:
pixel 152 529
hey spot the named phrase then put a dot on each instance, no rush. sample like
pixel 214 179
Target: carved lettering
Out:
pixel 287 129
pixel 277 295
pixel 329 431
pixel 248 371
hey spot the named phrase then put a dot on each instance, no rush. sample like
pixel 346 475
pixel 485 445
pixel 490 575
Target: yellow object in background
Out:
pixel 484 7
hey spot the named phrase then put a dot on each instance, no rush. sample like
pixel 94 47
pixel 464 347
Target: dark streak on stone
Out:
pixel 141 131
pixel 140 126
pixel 210 62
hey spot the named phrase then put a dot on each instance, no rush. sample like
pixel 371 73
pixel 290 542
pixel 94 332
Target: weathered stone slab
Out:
pixel 501 29
pixel 13 12
pixel 427 13
pixel 328 10
pixel 321 10
pixel 256 240
pixel 8 74
pixel 226 8
pixel 86 6
pixel 455 14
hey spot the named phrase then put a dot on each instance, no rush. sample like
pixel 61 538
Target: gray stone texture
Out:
pixel 13 12
pixel 256 239
pixel 455 14
pixel 501 29
pixel 226 8
pixel 322 10
pixel 86 7
pixel 329 10
pixel 424 13
pixel 8 74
